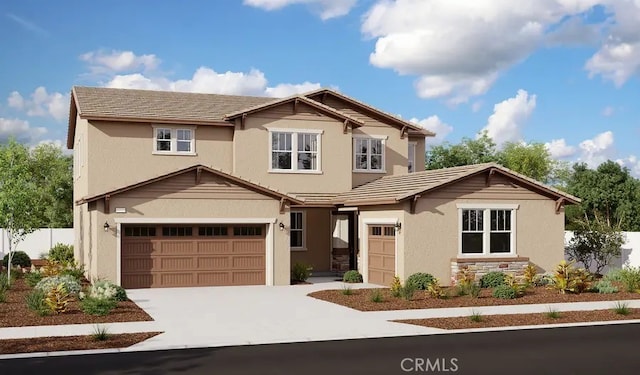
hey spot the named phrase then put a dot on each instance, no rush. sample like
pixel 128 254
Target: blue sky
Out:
pixel 561 72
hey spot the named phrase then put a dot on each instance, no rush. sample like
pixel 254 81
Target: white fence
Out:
pixel 630 250
pixel 39 241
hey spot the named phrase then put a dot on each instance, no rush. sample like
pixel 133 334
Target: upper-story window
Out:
pixel 295 150
pixel 411 157
pixel 368 154
pixel 168 140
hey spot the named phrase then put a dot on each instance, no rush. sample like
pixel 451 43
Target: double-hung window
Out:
pixel 368 154
pixel 296 230
pixel 173 140
pixel 487 230
pixel 295 150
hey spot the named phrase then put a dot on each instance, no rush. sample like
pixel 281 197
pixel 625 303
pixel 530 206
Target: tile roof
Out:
pixel 392 189
pixel 99 102
pixel 316 199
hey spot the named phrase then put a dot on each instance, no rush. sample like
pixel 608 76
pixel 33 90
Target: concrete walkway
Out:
pixel 211 317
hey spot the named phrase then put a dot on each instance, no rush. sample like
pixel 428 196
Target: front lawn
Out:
pixel 361 299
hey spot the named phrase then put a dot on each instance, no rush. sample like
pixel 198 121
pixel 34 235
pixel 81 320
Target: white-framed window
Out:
pixel 169 140
pixel 368 154
pixel 295 150
pixel 487 229
pixel 411 157
pixel 296 230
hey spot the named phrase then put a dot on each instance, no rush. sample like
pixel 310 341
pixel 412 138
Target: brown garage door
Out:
pixel 192 255
pixel 382 254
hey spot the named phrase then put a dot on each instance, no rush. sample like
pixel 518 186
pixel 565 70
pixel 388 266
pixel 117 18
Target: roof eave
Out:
pixel 156 120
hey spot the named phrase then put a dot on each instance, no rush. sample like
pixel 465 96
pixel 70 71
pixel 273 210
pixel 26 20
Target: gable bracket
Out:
pixel 198 175
pixel 243 119
pixel 489 175
pixel 345 125
pixel 282 205
pixel 413 203
pixel 324 98
pixel 295 106
pixel 404 131
pixel 559 204
pixel 107 198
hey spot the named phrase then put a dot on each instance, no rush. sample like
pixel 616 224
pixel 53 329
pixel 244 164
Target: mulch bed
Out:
pixel 360 299
pixel 15 313
pixel 523 319
pixel 61 343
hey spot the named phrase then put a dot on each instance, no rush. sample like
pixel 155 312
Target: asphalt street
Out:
pixel 609 349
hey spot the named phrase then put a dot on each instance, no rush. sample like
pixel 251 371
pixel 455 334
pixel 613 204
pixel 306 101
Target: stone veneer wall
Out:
pixel 340 260
pixel 482 266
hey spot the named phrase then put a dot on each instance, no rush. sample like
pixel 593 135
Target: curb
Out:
pixel 275 342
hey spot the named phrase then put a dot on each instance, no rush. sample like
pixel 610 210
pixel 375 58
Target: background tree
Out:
pixel 19 195
pixel 595 243
pixel 53 173
pixel 532 160
pixel 468 151
pixel 609 190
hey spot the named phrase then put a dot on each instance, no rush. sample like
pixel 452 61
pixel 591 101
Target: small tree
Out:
pixel 596 243
pixel 18 196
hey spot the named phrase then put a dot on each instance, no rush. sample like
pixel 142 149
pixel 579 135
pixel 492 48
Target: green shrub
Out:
pixel 97 306
pixel 100 333
pixel 19 258
pixel 475 316
pixel 347 290
pixel 420 280
pixel 553 314
pixel 468 289
pixel 407 291
pixel 36 301
pixel 504 292
pixel 492 279
pixel 32 278
pixel 71 285
pixel 622 308
pixel 77 272
pixel 300 272
pixel 376 296
pixel 630 278
pixel 61 253
pixel 4 282
pixel 105 289
pixel 352 276
pixel 605 286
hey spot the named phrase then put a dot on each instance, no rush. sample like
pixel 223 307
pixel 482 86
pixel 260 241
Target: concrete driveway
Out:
pixel 221 316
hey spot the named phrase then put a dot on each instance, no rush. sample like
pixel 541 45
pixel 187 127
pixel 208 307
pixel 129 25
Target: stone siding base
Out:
pixel 340 260
pixel 482 266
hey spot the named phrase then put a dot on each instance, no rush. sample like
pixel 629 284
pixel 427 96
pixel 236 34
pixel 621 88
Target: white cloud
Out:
pixel 207 80
pixel 20 129
pixel 509 116
pixel 436 125
pixel 559 149
pixel 41 103
pixel 618 59
pixel 475 107
pixel 101 62
pixel 608 111
pixel 597 150
pixel 457 49
pixel 633 163
pixel 326 8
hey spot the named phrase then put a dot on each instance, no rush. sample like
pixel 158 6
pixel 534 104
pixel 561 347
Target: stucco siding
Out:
pixel 501 188
pixel 122 153
pixel 317 232
pixel 251 150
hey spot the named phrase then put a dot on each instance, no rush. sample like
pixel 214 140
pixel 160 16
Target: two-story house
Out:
pixel 183 189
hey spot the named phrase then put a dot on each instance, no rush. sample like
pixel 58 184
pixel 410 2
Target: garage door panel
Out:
pixel 248 262
pixel 200 259
pixel 382 254
pixel 248 246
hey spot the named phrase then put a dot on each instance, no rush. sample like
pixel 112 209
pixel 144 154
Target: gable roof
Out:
pixel 236 179
pixel 412 128
pixel 397 188
pixel 327 110
pixel 99 103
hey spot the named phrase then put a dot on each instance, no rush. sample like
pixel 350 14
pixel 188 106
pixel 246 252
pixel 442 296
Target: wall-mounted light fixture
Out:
pixel 281 226
pixel 106 226
pixel 398 226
